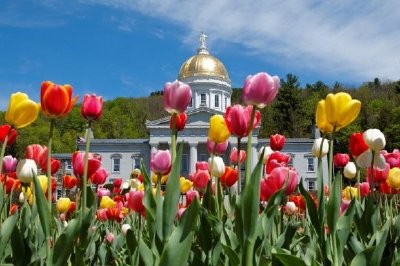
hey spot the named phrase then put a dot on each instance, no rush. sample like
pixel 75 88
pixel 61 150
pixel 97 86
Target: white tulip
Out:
pixel 26 168
pixel 217 168
pixel 21 197
pixel 364 160
pixel 125 228
pixel 290 207
pixel 316 148
pixel 350 170
pixel 374 139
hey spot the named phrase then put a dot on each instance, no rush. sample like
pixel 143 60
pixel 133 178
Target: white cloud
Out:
pixel 356 40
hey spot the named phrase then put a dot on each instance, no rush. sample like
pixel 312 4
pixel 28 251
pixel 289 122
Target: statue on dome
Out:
pixel 203 39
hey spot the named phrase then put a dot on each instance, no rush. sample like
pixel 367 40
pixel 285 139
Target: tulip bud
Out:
pixel 190 195
pixel 11 132
pixel 135 201
pixel 180 212
pixel 106 202
pixel 364 189
pixel 56 100
pixel 375 139
pixel 9 164
pixel 103 192
pixel 99 177
pixel 118 182
pixel 393 179
pixel 234 157
pixel 219 149
pixel 200 179
pixel 180 121
pixel 260 89
pixel 218 131
pixel 160 162
pixel 92 107
pixel 217 166
pixel 177 96
pixel 125 228
pixel 290 207
pixel 316 148
pixel 340 160
pixel 201 165
pixel 26 168
pixel 21 197
pixel 350 193
pixel 350 170
pixel 63 205
pixel 277 142
pixel 109 237
pixel 185 184
pixel 21 111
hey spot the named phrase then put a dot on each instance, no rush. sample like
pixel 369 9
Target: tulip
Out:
pixel 299 201
pixel 393 180
pixel 357 144
pixel 13 208
pixel 103 192
pixel 237 119
pixel 12 184
pixel 177 96
pixel 160 162
pixel 92 107
pixel 107 202
pixel 185 184
pixel 220 148
pixel 135 201
pixel 336 112
pixel 43 182
pixel 379 175
pixel 343 207
pixel 267 152
pixel 218 131
pixel 11 132
pixel 216 166
pixel 9 164
pixel 63 205
pixel 277 159
pixel 277 142
pixel 260 89
pixel 340 160
pixel 125 228
pixel 349 193
pixel 38 153
pixel 364 189
pixel 190 196
pixel 180 213
pixel 54 166
pixel 94 163
pixel 375 140
pixel 69 182
pixel 200 179
pixel 386 189
pixel 26 168
pixel 101 215
pixel 275 181
pixel 164 178
pixel 56 100
pixel 202 165
pixel 118 182
pixel 21 110
pixel 180 122
pixel 229 178
pixel 234 156
pixel 317 146
pixel 290 208
pixel 350 170
pixel 72 207
pixel 109 237
pixel 393 159
pixel 99 177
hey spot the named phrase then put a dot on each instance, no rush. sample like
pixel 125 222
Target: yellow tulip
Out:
pixel 218 131
pixel 43 182
pixel 350 193
pixel 107 202
pixel 164 178
pixel 336 111
pixel 185 184
pixel 27 194
pixel 21 110
pixel 63 205
pixel 393 179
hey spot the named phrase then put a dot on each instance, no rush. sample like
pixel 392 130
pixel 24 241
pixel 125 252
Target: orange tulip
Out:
pixel 56 100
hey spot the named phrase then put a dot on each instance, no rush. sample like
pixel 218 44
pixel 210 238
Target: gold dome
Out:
pixel 203 64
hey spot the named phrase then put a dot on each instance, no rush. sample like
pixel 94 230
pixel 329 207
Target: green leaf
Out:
pixel 333 206
pixel 289 260
pixel 65 243
pixel 20 247
pixel 232 255
pixel 7 229
pixel 42 207
pixel 311 209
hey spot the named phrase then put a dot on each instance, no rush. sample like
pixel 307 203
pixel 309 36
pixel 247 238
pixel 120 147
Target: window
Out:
pixel 310 164
pixel 191 102
pixel 216 100
pixel 116 163
pixel 135 163
pixel 226 101
pixel 203 157
pixel 185 163
pixel 68 165
pixel 311 185
pixel 203 99
pixel 59 193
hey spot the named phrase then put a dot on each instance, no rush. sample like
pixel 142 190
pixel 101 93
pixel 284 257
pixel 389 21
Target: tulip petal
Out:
pixel 365 159
pixel 350 112
pixel 25 113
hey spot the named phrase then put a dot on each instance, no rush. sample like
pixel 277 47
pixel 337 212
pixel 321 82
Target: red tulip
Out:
pixel 92 107
pixel 201 166
pixel 135 201
pixel 260 89
pixel 118 182
pixel 229 177
pixel 190 195
pixel 277 159
pixel 384 188
pixel 177 96
pixel 11 132
pixel 340 160
pixel 180 121
pixel 56 100
pixel 94 163
pixel 299 201
pixel 38 153
pixel 69 182
pixel 364 189
pixel 54 166
pixel 275 181
pixel 234 156
pixel 357 144
pixel 12 184
pixel 237 119
pixel 379 175
pixel 220 149
pixel 180 213
pixel 277 142
pixel 160 162
pixel 99 177
pixel 200 179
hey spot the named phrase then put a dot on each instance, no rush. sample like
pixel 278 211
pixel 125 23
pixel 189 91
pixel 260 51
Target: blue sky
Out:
pixel 131 48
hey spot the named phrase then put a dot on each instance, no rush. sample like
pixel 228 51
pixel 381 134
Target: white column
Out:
pixel 193 157
pixel 254 156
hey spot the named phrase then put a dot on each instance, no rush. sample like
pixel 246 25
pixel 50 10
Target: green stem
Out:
pixel 359 184
pixel 85 169
pixel 173 137
pixel 3 151
pixel 49 197
pixel 249 253
pixel 249 139
pixel 371 177
pixel 330 159
pixel 239 165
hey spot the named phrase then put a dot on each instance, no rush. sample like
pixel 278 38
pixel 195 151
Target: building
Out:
pixel 211 94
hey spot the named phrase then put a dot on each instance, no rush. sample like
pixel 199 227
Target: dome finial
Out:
pixel 203 46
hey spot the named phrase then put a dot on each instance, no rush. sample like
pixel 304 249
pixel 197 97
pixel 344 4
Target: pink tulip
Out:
pixel 94 163
pixel 340 160
pixel 92 107
pixel 201 165
pixel 220 149
pixel 190 196
pixel 200 179
pixel 102 192
pixel 9 164
pixel 260 89
pixel 276 142
pixel 277 159
pixel 101 215
pixel 135 201
pixel 177 96
pixel 343 207
pixel 180 213
pixel 38 153
pixel 234 156
pixel 393 159
pixel 109 237
pixel 364 189
pixel 99 177
pixel 275 181
pixel 160 162
pixel 237 119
